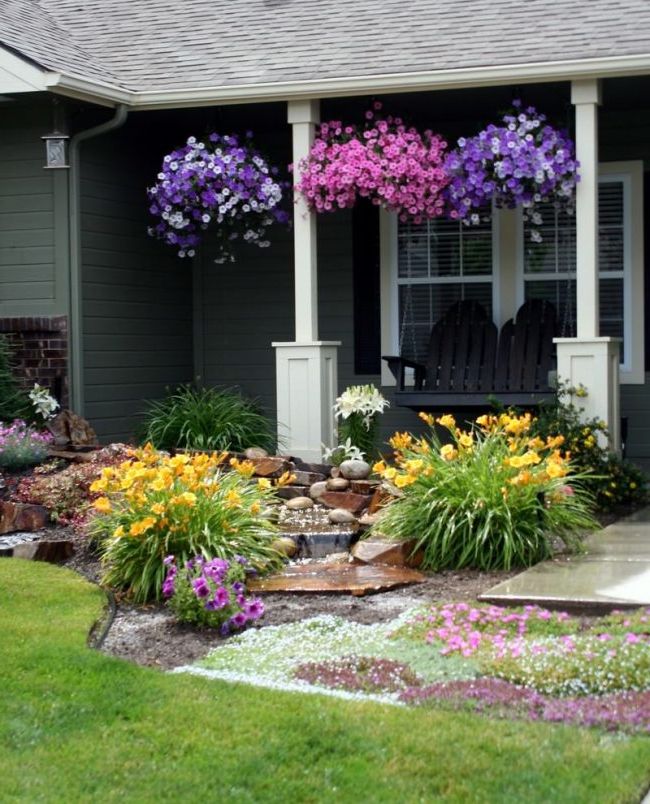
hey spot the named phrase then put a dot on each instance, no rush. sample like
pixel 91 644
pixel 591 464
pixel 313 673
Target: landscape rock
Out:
pixel 354 503
pixel 379 498
pixel 340 516
pixel 285 545
pixel 335 472
pixel 363 486
pixel 337 484
pixel 70 429
pixel 22 516
pixel 292 492
pixel 355 470
pixel 307 478
pixel 255 452
pixel 367 520
pixel 382 551
pixel 299 503
pixel 316 468
pixel 51 550
pixel 317 489
pixel 270 466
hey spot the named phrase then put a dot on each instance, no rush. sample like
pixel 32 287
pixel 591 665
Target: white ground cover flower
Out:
pixel 270 655
pixel 573 665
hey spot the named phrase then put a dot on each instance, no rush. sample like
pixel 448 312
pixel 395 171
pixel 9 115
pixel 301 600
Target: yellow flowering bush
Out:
pixel 153 505
pixel 492 497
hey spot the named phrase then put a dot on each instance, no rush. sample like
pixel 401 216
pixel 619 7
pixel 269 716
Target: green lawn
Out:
pixel 78 726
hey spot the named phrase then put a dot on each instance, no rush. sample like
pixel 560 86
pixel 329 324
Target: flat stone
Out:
pixel 291 492
pixel 307 478
pixel 299 503
pixel 355 579
pixel 51 550
pixel 83 455
pixel 317 489
pixel 22 516
pixel 255 452
pixel 363 486
pixel 355 503
pixel 337 484
pixel 614 572
pixel 339 516
pixel 270 467
pixel 317 468
pixel 355 470
pixel 379 499
pixel 381 551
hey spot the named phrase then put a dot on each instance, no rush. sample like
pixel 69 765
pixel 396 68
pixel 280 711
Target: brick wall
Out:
pixel 40 352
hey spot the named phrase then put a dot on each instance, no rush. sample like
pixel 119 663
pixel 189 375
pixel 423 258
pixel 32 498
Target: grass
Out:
pixel 76 725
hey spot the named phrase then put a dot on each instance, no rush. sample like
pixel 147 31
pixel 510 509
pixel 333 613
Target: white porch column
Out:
pixel 588 359
pixel 306 369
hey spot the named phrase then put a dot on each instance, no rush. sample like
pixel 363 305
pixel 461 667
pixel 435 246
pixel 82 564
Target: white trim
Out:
pixel 466 77
pixel 18 75
pixel 630 174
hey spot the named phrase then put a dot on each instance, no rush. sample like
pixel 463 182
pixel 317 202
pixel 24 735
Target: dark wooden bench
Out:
pixel 469 362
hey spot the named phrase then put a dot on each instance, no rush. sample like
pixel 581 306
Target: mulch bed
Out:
pixel 149 635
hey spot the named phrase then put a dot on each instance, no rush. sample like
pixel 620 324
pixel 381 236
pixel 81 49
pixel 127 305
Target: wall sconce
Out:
pixel 56 150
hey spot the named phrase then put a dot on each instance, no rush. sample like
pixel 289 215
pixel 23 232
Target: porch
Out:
pixel 332 295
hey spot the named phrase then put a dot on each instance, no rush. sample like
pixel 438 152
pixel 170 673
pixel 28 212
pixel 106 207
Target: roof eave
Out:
pixel 463 78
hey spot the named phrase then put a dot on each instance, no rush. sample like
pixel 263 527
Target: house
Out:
pixel 118 316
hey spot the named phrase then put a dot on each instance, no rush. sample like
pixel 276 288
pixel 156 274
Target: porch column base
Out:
pixel 593 362
pixel 306 378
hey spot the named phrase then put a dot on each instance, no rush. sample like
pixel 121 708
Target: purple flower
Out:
pixel 254 609
pixel 238 620
pixel 168 560
pixel 201 587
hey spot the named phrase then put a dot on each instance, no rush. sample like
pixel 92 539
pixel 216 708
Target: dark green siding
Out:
pixel 137 295
pixel 27 238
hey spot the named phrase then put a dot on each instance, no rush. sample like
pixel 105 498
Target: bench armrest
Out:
pixel 398 366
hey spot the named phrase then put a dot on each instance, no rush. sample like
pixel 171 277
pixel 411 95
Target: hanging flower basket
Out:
pixel 396 167
pixel 523 162
pixel 221 184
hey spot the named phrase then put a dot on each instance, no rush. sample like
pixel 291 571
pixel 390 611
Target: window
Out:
pixel 425 268
pixel 438 263
pixel 549 267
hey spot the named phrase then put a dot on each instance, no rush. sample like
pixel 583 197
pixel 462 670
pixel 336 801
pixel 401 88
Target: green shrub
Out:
pixel 154 505
pixel 207 419
pixel 492 498
pixel 211 593
pixel 14 403
pixel 612 482
pixel 21 446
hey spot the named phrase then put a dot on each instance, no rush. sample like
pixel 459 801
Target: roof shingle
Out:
pixel 153 45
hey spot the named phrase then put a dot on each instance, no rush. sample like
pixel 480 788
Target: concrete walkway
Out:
pixel 613 573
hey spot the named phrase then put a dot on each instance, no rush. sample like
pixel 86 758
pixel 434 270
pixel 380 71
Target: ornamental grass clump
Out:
pixel 492 497
pixel 207 419
pixel 211 592
pixel 22 446
pixel 154 505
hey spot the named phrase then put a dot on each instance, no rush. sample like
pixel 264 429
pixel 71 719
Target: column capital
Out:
pixel 586 91
pixel 303 111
